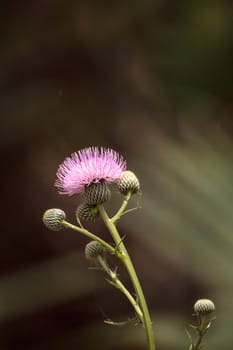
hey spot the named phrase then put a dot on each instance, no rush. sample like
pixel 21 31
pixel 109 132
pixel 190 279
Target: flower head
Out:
pixel 128 183
pixel 87 212
pixel 204 306
pixel 53 218
pixel 94 249
pixel 88 166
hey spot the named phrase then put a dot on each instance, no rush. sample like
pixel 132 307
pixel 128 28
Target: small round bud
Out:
pixel 87 212
pixel 97 193
pixel 128 183
pixel 204 306
pixel 53 218
pixel 94 249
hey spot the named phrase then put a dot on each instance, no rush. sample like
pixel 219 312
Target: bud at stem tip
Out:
pixel 94 249
pixel 128 183
pixel 53 218
pixel 204 306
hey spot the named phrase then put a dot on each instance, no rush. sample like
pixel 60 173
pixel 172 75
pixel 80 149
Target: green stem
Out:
pixel 90 235
pixel 117 216
pixel 118 284
pixel 201 330
pixel 133 276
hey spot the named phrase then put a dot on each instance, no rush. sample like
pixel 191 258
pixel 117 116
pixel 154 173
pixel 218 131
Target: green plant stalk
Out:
pixel 117 216
pixel 125 258
pixel 90 235
pixel 119 285
pixel 201 330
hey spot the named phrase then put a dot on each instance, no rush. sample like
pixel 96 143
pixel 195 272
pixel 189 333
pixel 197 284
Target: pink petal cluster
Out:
pixel 89 165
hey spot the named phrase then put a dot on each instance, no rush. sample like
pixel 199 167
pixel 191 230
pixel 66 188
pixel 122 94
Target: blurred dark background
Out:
pixel 153 80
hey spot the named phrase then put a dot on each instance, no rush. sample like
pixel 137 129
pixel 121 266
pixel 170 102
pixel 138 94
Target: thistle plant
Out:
pixel 90 173
pixel 203 309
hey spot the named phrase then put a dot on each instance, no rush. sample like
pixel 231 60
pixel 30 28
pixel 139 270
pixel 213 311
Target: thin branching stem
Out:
pixel 119 285
pixel 89 234
pixel 125 258
pixel 121 210
pixel 204 323
pixel 201 330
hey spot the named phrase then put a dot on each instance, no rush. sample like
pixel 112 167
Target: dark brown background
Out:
pixel 153 80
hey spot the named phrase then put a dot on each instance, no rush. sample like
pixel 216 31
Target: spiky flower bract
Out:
pixel 94 249
pixel 53 218
pixel 204 306
pixel 88 166
pixel 128 183
pixel 97 193
pixel 87 212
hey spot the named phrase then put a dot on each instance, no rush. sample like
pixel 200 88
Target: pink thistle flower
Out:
pixel 90 165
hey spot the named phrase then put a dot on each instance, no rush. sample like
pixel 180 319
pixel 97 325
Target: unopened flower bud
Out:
pixel 97 193
pixel 128 183
pixel 53 218
pixel 87 212
pixel 94 249
pixel 204 306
